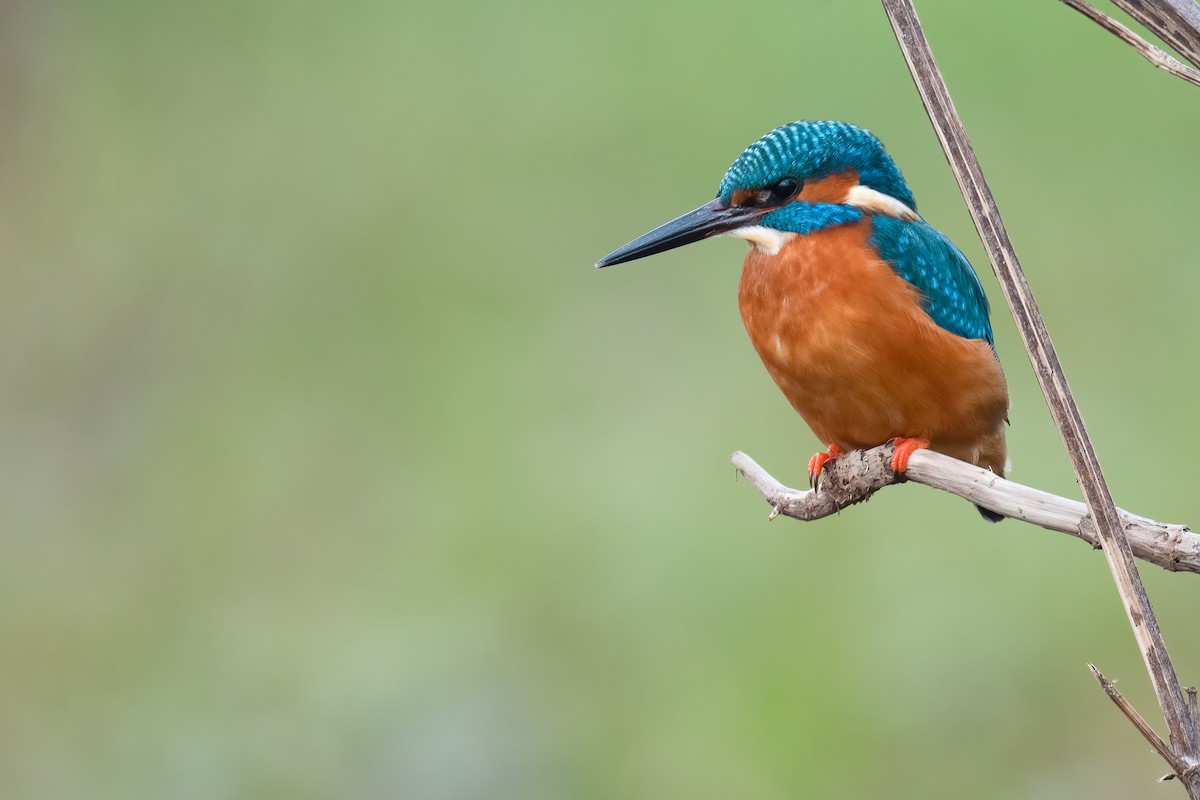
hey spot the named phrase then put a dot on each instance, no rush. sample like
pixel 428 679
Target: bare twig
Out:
pixel 1176 22
pixel 1183 726
pixel 855 476
pixel 1139 722
pixel 1154 55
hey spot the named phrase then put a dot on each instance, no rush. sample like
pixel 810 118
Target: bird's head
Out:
pixel 797 179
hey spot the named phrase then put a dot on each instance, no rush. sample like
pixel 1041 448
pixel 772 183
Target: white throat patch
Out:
pixel 768 240
pixel 874 202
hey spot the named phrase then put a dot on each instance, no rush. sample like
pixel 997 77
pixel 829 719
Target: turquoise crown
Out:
pixel 815 149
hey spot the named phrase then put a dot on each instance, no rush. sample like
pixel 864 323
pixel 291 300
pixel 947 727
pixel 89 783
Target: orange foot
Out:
pixel 818 462
pixel 905 447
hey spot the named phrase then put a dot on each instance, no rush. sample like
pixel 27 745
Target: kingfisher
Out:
pixel 872 323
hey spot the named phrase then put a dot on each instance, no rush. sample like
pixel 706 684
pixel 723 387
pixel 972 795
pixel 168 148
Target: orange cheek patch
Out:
pixel 831 189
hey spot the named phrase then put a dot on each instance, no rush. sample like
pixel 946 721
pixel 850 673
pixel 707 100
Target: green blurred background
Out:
pixel 331 468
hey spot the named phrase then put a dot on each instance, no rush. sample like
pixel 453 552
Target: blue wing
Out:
pixel 952 294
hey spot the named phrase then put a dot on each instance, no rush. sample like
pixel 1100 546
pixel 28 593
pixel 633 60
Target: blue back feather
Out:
pixel 952 294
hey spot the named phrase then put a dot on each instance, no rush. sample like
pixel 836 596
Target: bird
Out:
pixel 872 322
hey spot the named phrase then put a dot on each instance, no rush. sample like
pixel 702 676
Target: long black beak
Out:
pixel 709 219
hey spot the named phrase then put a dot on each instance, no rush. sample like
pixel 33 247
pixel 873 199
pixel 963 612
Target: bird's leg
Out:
pixel 818 462
pixel 905 447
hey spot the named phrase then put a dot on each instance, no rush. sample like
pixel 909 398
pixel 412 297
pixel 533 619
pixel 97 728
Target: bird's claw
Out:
pixel 817 463
pixel 905 447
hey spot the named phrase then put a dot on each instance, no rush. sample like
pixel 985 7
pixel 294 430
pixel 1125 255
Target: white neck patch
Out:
pixel 874 202
pixel 768 240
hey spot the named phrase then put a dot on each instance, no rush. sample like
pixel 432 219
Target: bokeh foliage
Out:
pixel 330 468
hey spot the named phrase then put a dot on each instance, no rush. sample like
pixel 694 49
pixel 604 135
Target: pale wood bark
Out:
pixel 855 476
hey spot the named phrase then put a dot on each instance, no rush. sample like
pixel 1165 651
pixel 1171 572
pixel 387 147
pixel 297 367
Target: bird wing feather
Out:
pixel 950 289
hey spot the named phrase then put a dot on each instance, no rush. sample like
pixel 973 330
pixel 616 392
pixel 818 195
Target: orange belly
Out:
pixel 847 341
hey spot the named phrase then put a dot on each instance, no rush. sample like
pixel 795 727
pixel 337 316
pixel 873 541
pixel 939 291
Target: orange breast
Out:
pixel 847 341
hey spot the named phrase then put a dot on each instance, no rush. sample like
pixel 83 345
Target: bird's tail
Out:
pixel 993 455
pixel 989 515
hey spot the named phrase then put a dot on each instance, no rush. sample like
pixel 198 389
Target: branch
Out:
pixel 1154 55
pixel 1176 22
pixel 1139 722
pixel 853 477
pixel 1182 723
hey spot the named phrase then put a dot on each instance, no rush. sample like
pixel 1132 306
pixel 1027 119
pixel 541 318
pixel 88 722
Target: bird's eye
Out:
pixel 776 194
pixel 784 189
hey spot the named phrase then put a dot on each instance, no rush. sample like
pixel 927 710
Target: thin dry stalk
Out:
pixel 1131 713
pixel 1154 55
pixel 1176 22
pixel 1182 724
